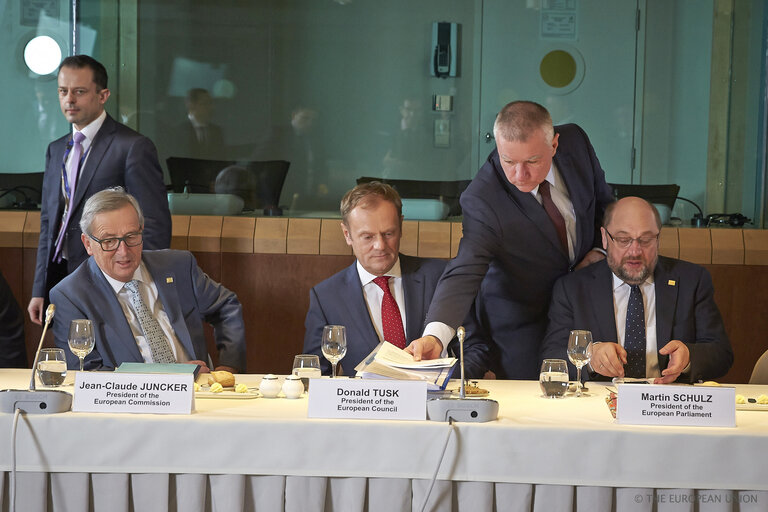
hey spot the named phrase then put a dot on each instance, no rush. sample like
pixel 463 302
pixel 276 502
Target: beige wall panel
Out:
pixel 31 236
pixel 303 236
pixel 457 231
pixel 669 243
pixel 695 245
pixel 755 247
pixel 332 240
pixel 180 232
pixel 434 239
pixel 409 243
pixel 205 233
pixel 237 234
pixel 271 235
pixel 11 228
pixel 727 246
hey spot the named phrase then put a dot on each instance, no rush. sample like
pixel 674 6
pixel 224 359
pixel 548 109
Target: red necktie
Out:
pixel 554 214
pixel 391 321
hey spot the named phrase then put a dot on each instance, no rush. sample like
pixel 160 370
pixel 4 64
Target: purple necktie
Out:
pixel 74 156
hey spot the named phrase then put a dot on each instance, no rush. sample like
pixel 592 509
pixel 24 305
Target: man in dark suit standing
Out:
pixel 384 295
pixel 652 316
pixel 99 153
pixel 530 216
pixel 145 306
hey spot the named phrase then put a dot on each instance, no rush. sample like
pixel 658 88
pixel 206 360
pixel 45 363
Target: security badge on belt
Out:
pixel 671 282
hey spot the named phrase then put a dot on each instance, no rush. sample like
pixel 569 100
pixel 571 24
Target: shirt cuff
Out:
pixel 442 332
pixel 600 250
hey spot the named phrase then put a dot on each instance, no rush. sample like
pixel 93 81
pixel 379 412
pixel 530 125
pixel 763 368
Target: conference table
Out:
pixel 265 454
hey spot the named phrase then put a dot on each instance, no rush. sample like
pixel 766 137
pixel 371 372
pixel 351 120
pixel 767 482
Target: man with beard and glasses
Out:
pixel 650 316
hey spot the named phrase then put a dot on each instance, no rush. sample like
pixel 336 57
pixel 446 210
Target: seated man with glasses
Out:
pixel 145 306
pixel 650 316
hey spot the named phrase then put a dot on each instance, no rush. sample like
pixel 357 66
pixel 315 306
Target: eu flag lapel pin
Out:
pixel 169 280
pixel 671 282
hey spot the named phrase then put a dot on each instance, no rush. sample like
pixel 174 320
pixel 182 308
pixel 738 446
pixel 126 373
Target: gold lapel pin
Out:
pixel 671 282
pixel 170 280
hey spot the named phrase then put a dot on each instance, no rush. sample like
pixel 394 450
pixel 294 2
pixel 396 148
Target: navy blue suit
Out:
pixel 510 256
pixel 339 300
pixel 188 296
pixel 118 156
pixel 685 311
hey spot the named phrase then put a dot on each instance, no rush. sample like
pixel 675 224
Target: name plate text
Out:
pixel 134 392
pixel 703 406
pixel 368 399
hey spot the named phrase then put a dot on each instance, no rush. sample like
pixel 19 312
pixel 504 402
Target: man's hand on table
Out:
pixel 679 357
pixel 428 347
pixel 203 366
pixel 608 359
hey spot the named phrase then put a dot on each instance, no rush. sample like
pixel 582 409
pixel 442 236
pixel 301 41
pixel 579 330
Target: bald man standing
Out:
pixel 650 316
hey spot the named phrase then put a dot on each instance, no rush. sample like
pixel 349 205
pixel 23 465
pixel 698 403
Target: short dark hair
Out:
pixel 519 119
pixel 367 194
pixel 86 61
pixel 612 206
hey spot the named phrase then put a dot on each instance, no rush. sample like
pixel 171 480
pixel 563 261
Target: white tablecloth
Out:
pixel 237 454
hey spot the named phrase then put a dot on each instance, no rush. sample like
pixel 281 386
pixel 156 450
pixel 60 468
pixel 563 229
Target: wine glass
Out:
pixel 334 344
pixel 553 378
pixel 52 367
pixel 81 339
pixel 579 352
pixel 306 366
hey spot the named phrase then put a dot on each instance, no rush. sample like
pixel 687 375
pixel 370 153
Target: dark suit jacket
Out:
pixel 118 156
pixel 685 311
pixel 13 351
pixel 339 300
pixel 510 254
pixel 188 295
pixel 187 144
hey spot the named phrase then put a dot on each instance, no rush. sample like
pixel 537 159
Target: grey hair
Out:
pixel 108 200
pixel 520 119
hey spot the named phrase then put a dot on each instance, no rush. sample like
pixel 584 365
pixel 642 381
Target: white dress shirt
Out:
pixel 148 292
pixel 375 295
pixel 562 200
pixel 620 300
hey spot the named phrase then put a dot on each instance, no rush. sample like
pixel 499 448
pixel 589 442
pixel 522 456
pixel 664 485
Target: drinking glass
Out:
pixel 553 378
pixel 579 352
pixel 306 366
pixel 334 344
pixel 52 367
pixel 81 339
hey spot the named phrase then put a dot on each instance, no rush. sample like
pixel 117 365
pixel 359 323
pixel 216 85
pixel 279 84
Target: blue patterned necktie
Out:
pixel 634 334
pixel 158 342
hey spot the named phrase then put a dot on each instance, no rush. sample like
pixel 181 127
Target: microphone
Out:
pixel 31 400
pixel 477 410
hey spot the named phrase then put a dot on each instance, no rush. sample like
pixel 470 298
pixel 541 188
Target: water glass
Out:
pixel 553 378
pixel 51 367
pixel 306 366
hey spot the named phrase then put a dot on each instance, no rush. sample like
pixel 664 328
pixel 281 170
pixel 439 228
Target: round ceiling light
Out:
pixel 42 55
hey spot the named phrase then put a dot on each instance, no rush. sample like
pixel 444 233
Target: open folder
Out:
pixel 387 361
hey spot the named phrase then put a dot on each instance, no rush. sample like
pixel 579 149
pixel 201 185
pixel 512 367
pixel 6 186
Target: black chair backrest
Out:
pixel 447 191
pixel 661 194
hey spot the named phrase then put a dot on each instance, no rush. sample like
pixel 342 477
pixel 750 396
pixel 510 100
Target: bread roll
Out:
pixel 226 379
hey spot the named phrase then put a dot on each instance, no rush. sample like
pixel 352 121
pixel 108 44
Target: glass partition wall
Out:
pixel 670 92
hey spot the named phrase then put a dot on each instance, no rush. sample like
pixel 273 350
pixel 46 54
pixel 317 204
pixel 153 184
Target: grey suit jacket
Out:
pixel 188 296
pixel 685 311
pixel 510 256
pixel 118 156
pixel 339 300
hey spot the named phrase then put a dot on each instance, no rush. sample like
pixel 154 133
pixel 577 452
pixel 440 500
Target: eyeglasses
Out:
pixel 625 241
pixel 112 244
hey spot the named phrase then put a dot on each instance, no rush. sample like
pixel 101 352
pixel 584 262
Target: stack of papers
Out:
pixel 389 362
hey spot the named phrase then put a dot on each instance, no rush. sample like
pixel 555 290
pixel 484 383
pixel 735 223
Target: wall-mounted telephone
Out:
pixel 444 49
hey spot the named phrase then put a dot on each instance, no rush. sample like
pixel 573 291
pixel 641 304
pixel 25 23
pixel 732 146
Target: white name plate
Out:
pixel 368 399
pixel 159 393
pixel 702 406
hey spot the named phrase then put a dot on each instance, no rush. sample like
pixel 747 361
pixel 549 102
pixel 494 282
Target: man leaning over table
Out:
pixel 145 306
pixel 530 215
pixel 383 295
pixel 650 316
